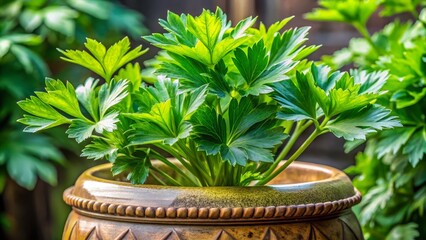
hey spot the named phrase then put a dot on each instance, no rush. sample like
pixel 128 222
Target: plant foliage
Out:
pixel 391 171
pixel 28 32
pixel 225 99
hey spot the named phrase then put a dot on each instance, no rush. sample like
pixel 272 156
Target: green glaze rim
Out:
pixel 105 198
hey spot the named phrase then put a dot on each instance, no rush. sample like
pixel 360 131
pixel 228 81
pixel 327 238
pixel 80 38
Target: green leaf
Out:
pixel 36 124
pixel 27 156
pixel 192 74
pixel 111 94
pixel 254 67
pixel 245 132
pixel 393 7
pixel 203 38
pixel 30 19
pixel 337 92
pixel 127 20
pixel 86 95
pixel 349 11
pixel 404 232
pixel 287 45
pixel 24 169
pixel 97 8
pixel 167 113
pixel 44 115
pixel 100 148
pixel 104 62
pixel 25 39
pixel 177 26
pixel 206 28
pixel 252 64
pixel 405 98
pixel 242 26
pixel 269 34
pixel 80 130
pixel 131 73
pixel 137 169
pixel 371 82
pixel 393 139
pixel 60 19
pixel 21 168
pixel 4 47
pixel 31 62
pixel 61 97
pixel 416 147
pixel 375 199
pixel 295 98
pixel 356 124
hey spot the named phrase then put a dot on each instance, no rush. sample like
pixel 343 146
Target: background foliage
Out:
pixel 391 171
pixel 30 31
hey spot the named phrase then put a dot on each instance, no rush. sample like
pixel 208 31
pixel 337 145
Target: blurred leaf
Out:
pixel 375 199
pixel 393 7
pixel 31 62
pixel 11 9
pixel 4 47
pixel 28 157
pixel 416 147
pixel 349 11
pixel 30 19
pixel 97 8
pixel 127 20
pixel 26 39
pixel 392 140
pixel 404 232
pixel 60 19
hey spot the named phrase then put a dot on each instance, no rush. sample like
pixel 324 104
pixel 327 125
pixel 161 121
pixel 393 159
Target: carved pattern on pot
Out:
pixel 332 229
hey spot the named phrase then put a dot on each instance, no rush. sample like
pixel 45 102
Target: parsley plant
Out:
pixel 228 102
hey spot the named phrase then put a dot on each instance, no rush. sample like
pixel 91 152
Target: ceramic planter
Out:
pixel 306 201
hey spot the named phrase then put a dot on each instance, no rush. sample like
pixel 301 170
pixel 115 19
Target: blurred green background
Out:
pixel 36 168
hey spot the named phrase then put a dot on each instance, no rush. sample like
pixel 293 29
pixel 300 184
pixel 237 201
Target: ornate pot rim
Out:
pixel 303 191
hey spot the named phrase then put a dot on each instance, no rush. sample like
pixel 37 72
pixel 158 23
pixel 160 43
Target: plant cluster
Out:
pixel 391 171
pixel 29 33
pixel 224 101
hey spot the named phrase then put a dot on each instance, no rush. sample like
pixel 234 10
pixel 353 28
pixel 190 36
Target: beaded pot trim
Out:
pixel 287 212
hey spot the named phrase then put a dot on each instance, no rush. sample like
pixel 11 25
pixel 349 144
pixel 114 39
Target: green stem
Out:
pixel 175 168
pixel 362 29
pixel 195 163
pixel 289 128
pixel 216 180
pixel 176 155
pixel 293 157
pixel 299 129
pixel 161 182
pixel 166 176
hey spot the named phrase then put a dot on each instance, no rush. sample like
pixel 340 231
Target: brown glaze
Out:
pixel 307 201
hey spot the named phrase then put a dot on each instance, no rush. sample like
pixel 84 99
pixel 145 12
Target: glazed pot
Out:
pixel 306 201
